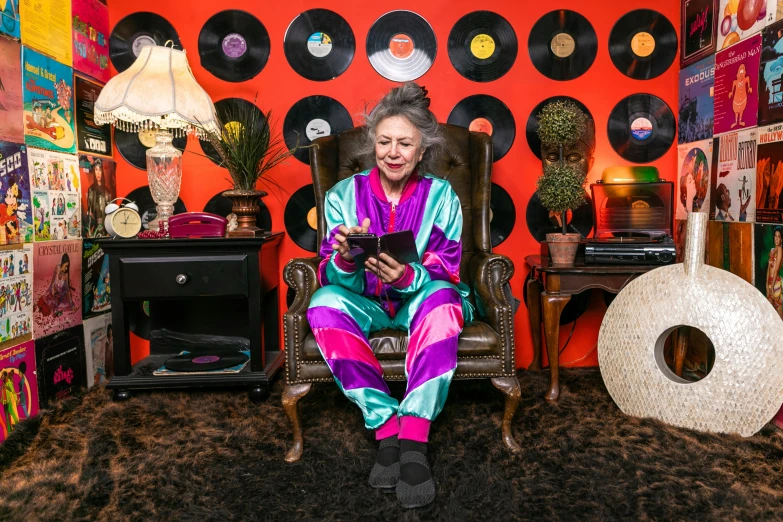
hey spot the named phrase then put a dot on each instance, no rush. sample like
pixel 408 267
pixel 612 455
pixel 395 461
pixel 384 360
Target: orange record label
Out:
pixel 482 46
pixel 481 125
pixel 312 219
pixel 401 46
pixel 563 45
pixel 643 44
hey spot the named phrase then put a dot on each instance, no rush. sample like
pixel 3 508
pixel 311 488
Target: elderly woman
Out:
pixel 426 298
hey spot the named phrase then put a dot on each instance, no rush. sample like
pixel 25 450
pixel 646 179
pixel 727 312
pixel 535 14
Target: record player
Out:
pixel 634 212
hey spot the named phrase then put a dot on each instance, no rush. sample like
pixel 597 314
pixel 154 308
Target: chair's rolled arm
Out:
pixel 490 273
pixel 302 276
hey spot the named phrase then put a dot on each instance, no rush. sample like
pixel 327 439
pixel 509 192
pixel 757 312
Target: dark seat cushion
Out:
pixel 477 339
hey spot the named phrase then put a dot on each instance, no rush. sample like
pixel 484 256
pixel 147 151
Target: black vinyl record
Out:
pixel 562 45
pixel 541 222
pixel 224 108
pixel 401 46
pixel 139 318
pixel 233 45
pixel 301 218
pixel 531 129
pixel 482 46
pixel 643 44
pixel 319 45
pixel 133 146
pixel 147 207
pixel 204 362
pixel 134 32
pixel 312 118
pixel 641 128
pixel 222 206
pixel 502 215
pixel 574 308
pixel 484 113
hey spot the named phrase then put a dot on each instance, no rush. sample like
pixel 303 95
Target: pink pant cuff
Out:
pixel 390 428
pixel 414 428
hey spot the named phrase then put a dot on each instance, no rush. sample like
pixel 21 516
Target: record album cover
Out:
pixel 730 247
pixel 698 30
pixel 55 181
pixel 770 75
pixel 769 174
pixel 16 212
pixel 16 292
pixel 48 103
pixel 733 177
pixel 734 24
pixel 768 263
pixel 46 27
pixel 99 346
pixel 90 38
pixel 692 192
pixel 57 286
pixel 9 24
pixel 96 290
pixel 99 189
pixel 61 365
pixel 736 82
pixel 11 105
pixel 680 235
pixel 18 386
pixel 696 106
pixel 91 138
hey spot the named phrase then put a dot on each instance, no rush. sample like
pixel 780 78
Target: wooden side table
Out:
pixel 558 285
pixel 225 287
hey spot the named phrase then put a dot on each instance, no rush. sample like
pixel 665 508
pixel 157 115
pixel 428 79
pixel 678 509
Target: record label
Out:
pixel 643 44
pixel 147 138
pixel 204 359
pixel 481 125
pixel 301 218
pixel 641 128
pixel 318 128
pixel 480 110
pixel 401 46
pixel 319 44
pixel 482 46
pixel 234 45
pixel 563 45
pixel 312 218
pixel 140 42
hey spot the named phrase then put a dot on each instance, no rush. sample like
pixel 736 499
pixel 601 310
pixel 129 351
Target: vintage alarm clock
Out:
pixel 122 220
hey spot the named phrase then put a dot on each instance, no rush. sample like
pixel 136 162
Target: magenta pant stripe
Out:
pixel 327 317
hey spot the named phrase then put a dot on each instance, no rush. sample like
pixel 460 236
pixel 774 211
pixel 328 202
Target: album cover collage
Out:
pixel 730 135
pixel 56 178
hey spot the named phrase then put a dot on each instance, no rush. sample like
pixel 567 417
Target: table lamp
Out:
pixel 159 93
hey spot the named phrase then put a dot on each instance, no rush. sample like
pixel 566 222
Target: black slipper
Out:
pixel 386 471
pixel 418 492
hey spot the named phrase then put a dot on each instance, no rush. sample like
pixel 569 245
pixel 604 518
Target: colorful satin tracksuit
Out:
pixel 428 301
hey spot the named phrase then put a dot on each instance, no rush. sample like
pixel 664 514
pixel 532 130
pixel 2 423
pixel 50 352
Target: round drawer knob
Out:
pixel 182 279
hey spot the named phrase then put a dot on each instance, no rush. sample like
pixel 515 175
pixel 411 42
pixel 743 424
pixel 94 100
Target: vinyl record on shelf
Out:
pixel 312 118
pixel 204 362
pixel 139 318
pixel 641 128
pixel 222 206
pixel 301 218
pixel 643 44
pixel 502 215
pixel 233 45
pixel 531 129
pixel 401 46
pixel 133 145
pixel 484 113
pixel 147 207
pixel 224 109
pixel 574 308
pixel 319 45
pixel 562 45
pixel 482 46
pixel 134 32
pixel 541 221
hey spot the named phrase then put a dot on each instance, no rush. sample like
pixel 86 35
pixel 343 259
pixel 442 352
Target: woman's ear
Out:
pixel 421 154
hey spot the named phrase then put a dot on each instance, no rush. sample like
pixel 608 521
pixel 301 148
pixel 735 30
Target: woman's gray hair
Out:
pixel 411 102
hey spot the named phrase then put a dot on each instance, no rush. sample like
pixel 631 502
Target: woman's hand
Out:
pixel 386 268
pixel 342 242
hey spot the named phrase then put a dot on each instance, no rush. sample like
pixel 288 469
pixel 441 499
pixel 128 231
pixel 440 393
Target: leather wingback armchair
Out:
pixel 486 346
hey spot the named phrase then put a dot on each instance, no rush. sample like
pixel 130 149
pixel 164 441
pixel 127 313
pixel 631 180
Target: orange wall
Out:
pixel 279 87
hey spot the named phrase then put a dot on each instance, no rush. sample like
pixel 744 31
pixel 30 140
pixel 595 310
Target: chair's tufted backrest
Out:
pixel 465 161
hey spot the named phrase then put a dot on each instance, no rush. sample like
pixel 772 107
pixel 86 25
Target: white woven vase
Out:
pixel 743 391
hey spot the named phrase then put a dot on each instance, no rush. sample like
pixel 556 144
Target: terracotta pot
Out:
pixel 245 206
pixel 562 248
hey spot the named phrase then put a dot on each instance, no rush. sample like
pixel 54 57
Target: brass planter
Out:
pixel 245 206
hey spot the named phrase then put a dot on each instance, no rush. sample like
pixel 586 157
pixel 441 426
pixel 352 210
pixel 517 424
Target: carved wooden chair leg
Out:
pixel 292 393
pixel 510 388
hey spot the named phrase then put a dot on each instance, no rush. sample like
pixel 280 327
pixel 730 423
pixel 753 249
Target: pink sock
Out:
pixel 389 428
pixel 414 428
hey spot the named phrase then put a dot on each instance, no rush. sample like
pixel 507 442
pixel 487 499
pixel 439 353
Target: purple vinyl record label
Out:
pixel 234 45
pixel 206 359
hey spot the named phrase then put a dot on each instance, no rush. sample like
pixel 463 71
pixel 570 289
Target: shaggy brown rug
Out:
pixel 215 456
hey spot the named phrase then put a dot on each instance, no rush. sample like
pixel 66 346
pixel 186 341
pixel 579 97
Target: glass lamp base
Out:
pixel 164 171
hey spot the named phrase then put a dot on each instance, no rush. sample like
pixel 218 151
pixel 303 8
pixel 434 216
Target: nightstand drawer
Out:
pixel 184 276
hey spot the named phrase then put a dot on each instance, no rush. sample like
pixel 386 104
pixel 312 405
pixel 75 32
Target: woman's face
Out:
pixel 777 239
pixel 64 267
pixel 98 174
pixel 397 148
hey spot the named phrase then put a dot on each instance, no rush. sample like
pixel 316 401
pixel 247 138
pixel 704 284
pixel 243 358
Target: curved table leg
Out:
pixel 553 305
pixel 534 313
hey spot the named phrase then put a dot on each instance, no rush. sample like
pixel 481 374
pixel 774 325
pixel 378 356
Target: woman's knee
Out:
pixel 330 295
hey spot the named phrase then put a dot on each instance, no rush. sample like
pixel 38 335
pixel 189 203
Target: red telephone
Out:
pixel 197 224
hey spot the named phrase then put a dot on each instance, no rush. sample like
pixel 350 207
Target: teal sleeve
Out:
pixel 334 270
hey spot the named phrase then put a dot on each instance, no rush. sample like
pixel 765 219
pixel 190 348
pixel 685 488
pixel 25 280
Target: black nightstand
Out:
pixel 196 287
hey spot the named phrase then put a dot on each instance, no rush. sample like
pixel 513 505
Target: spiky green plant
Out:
pixel 560 123
pixel 561 188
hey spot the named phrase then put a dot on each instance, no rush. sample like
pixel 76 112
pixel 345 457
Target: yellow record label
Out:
pixel 643 44
pixel 312 218
pixel 563 45
pixel 234 129
pixel 147 138
pixel 482 46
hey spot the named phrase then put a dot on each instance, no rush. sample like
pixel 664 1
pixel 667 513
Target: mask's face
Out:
pixel 577 155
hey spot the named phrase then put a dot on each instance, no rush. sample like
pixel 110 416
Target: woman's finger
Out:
pixel 365 225
pixel 340 238
pixel 389 261
pixel 344 230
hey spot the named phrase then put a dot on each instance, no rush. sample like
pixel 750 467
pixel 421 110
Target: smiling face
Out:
pixel 397 148
pixel 741 72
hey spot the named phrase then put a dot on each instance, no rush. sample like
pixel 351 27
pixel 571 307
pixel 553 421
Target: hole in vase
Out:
pixel 685 354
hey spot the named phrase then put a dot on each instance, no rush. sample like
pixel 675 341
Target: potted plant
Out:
pixel 249 149
pixel 561 187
